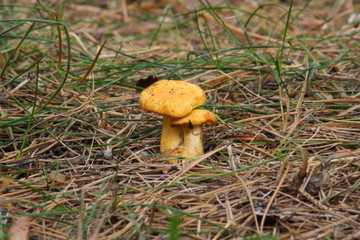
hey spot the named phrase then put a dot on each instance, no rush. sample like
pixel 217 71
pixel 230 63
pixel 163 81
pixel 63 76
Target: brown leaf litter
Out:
pixel 281 161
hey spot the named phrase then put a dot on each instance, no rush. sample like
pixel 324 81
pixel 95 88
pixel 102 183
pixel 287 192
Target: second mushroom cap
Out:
pixel 195 118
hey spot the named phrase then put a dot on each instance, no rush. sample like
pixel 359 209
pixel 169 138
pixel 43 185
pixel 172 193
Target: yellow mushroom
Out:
pixel 192 128
pixel 172 99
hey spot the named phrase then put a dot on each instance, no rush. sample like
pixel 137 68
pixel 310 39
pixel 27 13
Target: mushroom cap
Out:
pixel 172 98
pixel 196 117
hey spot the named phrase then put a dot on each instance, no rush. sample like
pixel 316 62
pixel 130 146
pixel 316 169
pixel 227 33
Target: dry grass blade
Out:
pixel 93 63
pixel 240 31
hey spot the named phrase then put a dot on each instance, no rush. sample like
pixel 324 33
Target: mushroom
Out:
pixel 192 126
pixel 172 99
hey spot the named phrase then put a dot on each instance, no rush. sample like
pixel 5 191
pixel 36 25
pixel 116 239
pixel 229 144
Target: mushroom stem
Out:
pixel 193 142
pixel 171 138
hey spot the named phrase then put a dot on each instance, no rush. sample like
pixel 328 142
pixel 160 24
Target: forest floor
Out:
pixel 79 158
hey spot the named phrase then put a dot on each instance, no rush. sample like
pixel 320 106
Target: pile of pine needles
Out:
pixel 79 159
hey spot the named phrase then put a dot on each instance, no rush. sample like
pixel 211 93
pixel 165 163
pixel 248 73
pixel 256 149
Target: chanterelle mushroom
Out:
pixel 192 129
pixel 172 99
